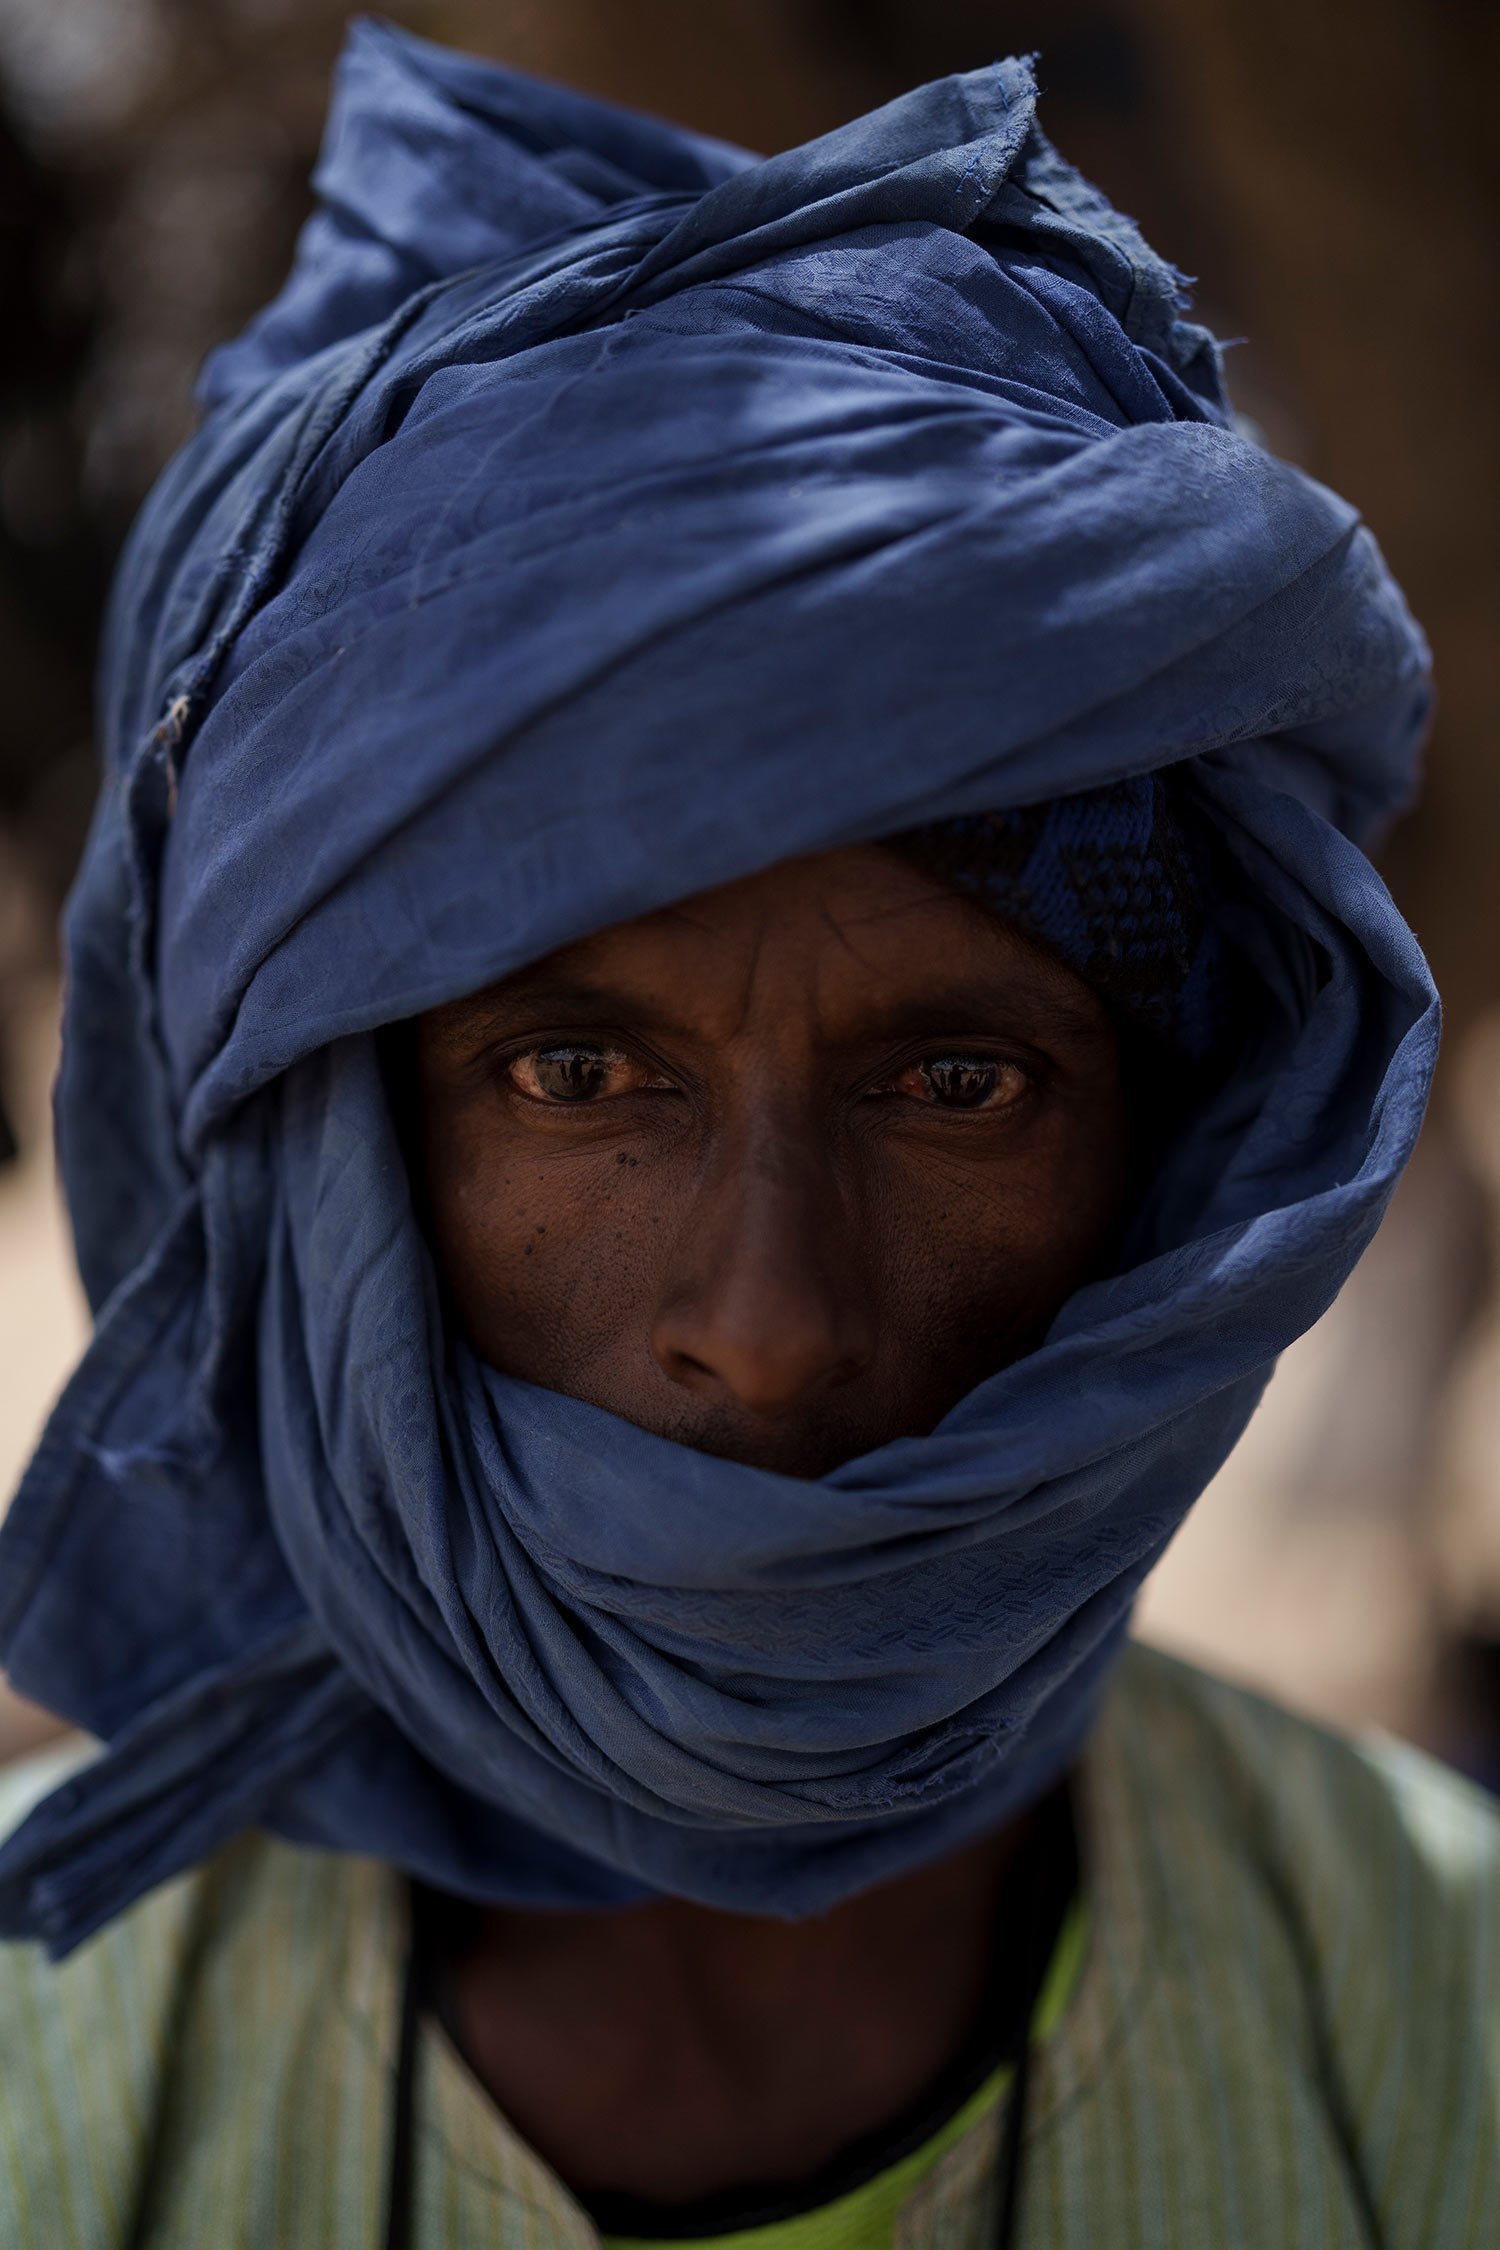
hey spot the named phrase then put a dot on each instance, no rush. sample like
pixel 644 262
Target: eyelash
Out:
pixel 571 1052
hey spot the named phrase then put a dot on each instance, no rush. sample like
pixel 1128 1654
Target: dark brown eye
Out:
pixel 563 1074
pixel 960 1081
pixel 573 1073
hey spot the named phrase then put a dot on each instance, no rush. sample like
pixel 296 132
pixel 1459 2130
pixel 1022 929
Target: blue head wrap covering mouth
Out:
pixel 601 514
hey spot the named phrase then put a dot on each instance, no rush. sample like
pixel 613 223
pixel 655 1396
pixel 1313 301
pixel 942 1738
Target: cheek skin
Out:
pixel 979 1256
pixel 549 1255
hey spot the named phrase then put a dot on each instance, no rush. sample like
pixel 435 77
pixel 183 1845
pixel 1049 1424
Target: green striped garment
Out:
pixel 1284 2032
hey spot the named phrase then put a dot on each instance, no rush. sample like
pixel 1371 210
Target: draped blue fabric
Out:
pixel 601 514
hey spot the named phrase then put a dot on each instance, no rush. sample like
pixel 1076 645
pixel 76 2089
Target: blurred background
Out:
pixel 1330 173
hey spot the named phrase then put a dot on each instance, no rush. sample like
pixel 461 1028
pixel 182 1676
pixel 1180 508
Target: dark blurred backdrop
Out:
pixel 1329 170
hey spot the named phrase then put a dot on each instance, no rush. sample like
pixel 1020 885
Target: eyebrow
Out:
pixel 1023 1003
pixel 511 1006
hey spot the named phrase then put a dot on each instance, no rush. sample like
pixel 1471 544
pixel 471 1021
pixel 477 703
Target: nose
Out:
pixel 766 1305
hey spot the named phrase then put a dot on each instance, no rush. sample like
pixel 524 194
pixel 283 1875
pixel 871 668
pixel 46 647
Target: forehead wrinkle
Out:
pixel 632 973
pixel 635 971
pixel 1025 983
pixel 708 926
pixel 844 930
pixel 841 927
pixel 703 926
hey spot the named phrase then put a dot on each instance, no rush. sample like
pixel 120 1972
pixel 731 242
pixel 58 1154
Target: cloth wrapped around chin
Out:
pixel 599 515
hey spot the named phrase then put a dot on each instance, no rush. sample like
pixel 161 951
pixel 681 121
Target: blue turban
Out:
pixel 601 514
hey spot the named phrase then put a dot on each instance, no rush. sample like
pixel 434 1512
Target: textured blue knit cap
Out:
pixel 1113 881
pixel 602 514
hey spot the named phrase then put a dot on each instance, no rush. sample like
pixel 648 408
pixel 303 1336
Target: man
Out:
pixel 721 1012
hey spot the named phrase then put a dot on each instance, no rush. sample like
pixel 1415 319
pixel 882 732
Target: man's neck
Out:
pixel 669 2052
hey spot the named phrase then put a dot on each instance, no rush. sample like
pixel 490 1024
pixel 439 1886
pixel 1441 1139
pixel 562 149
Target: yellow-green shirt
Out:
pixel 1284 2033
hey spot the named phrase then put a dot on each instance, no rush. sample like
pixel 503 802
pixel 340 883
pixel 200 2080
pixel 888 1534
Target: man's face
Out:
pixel 779 1173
